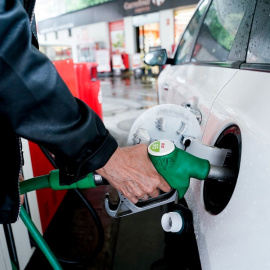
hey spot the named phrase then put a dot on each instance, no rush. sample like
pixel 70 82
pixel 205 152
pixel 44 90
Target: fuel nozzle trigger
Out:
pixel 125 207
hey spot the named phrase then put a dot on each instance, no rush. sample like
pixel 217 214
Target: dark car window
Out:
pixel 218 30
pixel 259 45
pixel 185 47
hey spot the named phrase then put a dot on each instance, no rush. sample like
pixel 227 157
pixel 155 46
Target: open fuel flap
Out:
pixel 175 123
pixel 180 125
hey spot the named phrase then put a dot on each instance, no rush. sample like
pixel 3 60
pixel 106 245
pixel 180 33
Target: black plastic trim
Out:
pixel 256 67
pixel 235 65
pixel 217 194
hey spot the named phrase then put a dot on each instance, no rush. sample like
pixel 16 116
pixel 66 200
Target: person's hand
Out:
pixel 131 172
pixel 21 196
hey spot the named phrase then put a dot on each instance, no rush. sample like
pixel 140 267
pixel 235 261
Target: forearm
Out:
pixel 39 106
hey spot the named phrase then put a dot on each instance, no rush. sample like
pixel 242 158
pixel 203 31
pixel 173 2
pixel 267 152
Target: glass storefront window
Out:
pixel 149 37
pixel 117 37
pixel 181 19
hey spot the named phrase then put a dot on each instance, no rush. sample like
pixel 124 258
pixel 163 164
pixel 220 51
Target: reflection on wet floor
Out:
pixel 124 99
pixel 127 94
pixel 131 243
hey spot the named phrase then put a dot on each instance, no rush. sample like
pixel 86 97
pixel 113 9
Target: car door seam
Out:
pixel 217 95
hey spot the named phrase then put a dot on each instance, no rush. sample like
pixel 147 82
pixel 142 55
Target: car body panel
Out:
pixel 230 93
pixel 238 237
pixel 193 84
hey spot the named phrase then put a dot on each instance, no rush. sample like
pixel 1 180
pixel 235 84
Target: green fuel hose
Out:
pixel 39 240
pixel 34 184
pixel 48 181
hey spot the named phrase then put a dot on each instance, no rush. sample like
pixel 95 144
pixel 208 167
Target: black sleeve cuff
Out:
pixel 71 174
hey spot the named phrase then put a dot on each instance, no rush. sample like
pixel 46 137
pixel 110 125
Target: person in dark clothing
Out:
pixel 35 104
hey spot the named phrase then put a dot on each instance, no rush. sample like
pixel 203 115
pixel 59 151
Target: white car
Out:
pixel 220 72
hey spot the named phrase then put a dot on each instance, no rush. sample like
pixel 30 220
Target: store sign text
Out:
pixel 138 6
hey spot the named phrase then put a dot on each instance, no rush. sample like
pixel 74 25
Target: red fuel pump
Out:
pixel 88 86
pixel 83 83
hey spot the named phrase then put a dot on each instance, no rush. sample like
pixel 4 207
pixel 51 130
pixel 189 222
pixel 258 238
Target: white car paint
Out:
pixel 238 237
pixel 192 84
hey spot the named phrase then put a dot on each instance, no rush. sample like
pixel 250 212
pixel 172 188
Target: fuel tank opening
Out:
pixel 217 194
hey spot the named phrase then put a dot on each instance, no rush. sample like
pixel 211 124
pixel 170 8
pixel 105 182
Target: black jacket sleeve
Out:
pixel 40 107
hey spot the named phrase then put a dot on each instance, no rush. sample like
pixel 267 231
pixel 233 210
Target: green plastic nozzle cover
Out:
pixel 87 182
pixel 177 166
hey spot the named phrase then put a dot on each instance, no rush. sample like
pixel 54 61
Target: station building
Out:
pixel 117 27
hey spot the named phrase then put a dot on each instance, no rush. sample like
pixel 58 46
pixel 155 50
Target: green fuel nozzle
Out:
pixel 176 165
pixel 52 181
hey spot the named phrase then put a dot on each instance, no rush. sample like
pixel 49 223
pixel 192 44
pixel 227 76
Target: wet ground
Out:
pixel 131 243
pixel 124 99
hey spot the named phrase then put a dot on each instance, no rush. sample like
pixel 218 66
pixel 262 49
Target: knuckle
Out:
pixel 150 189
pixel 153 195
pixel 135 200
pixel 125 193
pixel 163 185
pixel 140 194
pixel 157 179
pixel 160 180
pixel 132 198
